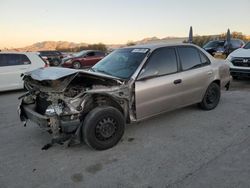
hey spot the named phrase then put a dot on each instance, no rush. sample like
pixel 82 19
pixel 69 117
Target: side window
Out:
pixel 204 59
pixel 17 59
pixel 221 44
pixel 190 57
pixel 162 61
pixel 99 53
pixel 24 60
pixel 90 54
pixel 3 61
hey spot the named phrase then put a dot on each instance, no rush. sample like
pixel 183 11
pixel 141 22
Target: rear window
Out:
pixel 43 60
pixel 13 60
pixel 237 43
pixel 214 44
pixel 247 46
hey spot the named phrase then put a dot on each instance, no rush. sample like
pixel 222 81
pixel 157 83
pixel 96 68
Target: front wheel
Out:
pixel 103 127
pixel 211 98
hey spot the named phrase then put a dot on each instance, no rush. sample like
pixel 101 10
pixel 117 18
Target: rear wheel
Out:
pixel 56 62
pixel 103 127
pixel 76 65
pixel 211 98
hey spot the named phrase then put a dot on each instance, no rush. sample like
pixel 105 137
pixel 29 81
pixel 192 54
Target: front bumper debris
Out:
pixel 61 131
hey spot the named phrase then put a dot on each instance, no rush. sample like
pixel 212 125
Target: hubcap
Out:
pixel 106 129
pixel 211 96
pixel 77 65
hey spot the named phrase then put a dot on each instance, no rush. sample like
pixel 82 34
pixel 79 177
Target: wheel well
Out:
pixel 217 82
pixel 100 100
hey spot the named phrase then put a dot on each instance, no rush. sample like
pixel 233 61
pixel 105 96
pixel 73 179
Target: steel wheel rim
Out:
pixel 106 129
pixel 212 96
pixel 77 65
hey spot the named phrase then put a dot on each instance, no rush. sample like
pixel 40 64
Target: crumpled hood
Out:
pixel 241 52
pixel 55 73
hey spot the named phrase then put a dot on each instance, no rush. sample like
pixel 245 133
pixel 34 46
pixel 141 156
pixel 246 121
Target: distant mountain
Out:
pixel 52 45
pixel 161 40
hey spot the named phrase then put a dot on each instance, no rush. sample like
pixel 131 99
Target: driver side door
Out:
pixel 158 87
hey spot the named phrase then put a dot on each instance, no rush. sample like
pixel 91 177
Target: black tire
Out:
pixel 103 127
pixel 211 98
pixel 56 62
pixel 77 65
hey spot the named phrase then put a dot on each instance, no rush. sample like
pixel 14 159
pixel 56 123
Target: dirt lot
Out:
pixel 184 148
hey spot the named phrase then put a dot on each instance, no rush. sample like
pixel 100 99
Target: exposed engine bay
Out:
pixel 62 103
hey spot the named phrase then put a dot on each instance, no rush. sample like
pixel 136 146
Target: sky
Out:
pixel 24 22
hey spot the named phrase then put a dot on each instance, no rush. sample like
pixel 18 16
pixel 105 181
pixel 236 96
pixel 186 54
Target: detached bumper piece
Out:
pixel 62 131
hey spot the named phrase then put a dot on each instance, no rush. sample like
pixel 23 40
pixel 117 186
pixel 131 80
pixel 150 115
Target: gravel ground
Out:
pixel 184 148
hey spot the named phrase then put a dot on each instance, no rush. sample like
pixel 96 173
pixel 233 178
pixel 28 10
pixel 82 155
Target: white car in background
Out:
pixel 13 64
pixel 239 61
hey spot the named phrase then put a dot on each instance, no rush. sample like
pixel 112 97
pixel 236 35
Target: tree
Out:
pixel 200 40
pixel 131 43
pixel 235 34
pixel 100 46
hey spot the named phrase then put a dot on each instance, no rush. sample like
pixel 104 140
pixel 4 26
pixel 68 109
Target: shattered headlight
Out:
pixel 53 110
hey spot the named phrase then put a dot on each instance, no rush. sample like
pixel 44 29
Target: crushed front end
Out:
pixel 59 103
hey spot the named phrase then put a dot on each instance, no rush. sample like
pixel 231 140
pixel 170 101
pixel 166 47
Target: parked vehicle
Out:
pixel 127 86
pixel 219 46
pixel 54 57
pixel 83 59
pixel 239 62
pixel 13 64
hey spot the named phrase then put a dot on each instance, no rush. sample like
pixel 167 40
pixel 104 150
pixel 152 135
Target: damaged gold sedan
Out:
pixel 128 85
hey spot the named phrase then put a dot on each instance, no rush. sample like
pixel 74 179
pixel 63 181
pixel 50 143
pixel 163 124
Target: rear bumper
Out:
pixel 240 72
pixel 27 112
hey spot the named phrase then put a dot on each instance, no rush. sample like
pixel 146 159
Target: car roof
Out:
pixel 160 45
pixel 13 52
pixel 48 51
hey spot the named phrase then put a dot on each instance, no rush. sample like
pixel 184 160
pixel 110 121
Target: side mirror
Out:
pixel 145 76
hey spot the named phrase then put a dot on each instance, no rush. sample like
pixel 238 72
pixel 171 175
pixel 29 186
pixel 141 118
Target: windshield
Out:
pixel 214 44
pixel 247 46
pixel 121 63
pixel 78 54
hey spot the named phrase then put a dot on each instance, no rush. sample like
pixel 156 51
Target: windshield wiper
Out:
pixel 103 71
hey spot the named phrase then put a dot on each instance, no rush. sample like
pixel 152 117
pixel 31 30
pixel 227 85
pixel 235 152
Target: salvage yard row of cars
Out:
pixel 82 59
pixel 128 85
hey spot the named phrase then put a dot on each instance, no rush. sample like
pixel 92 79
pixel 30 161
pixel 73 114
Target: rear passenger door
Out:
pixel 11 68
pixel 196 74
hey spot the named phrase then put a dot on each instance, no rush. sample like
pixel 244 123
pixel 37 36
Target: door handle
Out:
pixel 177 81
pixel 210 73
